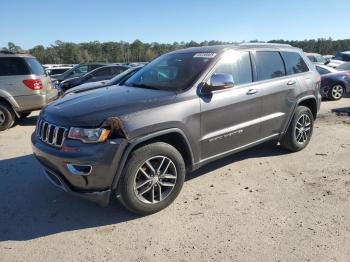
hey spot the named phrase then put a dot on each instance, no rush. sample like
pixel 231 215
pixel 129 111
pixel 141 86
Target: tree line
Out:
pixel 137 51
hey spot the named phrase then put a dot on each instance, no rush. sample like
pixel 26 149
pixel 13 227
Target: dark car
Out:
pixel 343 56
pixel 334 83
pixel 179 112
pixel 75 71
pixel 120 78
pixel 101 73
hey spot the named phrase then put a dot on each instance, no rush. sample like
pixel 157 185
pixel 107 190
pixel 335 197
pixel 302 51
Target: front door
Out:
pixel 229 118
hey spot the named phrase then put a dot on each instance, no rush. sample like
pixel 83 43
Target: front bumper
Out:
pixel 103 158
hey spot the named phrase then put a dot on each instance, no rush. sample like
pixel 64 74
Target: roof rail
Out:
pixel 265 44
pixel 8 52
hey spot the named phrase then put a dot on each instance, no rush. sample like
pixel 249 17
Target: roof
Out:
pixel 5 53
pixel 221 48
pixel 345 52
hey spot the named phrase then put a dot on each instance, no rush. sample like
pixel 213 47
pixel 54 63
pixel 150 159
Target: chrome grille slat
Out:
pixel 51 134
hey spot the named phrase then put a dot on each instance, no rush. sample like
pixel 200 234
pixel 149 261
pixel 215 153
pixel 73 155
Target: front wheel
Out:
pixel 153 178
pixel 299 131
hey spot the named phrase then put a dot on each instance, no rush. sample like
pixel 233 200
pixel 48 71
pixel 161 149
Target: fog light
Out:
pixel 79 170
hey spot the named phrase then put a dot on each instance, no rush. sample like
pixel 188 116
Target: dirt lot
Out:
pixel 259 205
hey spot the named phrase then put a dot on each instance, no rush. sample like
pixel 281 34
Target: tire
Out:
pixel 298 134
pixel 139 193
pixel 7 116
pixel 336 92
pixel 24 115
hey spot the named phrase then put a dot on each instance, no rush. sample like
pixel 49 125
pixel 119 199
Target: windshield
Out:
pixel 172 72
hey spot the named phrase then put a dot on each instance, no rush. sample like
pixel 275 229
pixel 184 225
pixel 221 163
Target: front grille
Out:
pixel 51 134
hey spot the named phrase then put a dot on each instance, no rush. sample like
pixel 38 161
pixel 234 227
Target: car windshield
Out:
pixel 174 72
pixel 320 59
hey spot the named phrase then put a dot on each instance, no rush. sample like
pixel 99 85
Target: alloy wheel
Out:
pixel 303 129
pixel 155 179
pixel 337 91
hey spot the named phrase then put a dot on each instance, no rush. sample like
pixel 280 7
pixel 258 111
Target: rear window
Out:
pixel 35 67
pixel 322 71
pixel 295 64
pixel 13 66
pixel 269 65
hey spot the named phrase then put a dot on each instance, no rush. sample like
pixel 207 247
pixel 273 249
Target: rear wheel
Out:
pixel 299 131
pixel 336 92
pixel 7 116
pixel 153 178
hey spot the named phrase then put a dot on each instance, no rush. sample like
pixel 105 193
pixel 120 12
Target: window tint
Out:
pixel 294 63
pixel 238 65
pixel 35 67
pixel 13 66
pixel 102 71
pixel 269 65
pixel 322 71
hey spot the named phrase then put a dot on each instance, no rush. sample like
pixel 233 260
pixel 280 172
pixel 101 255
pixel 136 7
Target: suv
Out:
pixel 24 87
pixel 179 112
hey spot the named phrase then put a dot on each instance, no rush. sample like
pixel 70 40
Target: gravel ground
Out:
pixel 263 204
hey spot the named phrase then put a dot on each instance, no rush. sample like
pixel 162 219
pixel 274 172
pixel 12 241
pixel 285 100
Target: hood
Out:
pixel 88 86
pixel 90 109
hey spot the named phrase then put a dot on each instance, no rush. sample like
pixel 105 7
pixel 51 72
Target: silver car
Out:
pixel 24 87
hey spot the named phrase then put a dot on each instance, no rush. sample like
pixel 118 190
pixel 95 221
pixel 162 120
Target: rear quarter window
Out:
pixel 13 66
pixel 269 65
pixel 294 63
pixel 35 67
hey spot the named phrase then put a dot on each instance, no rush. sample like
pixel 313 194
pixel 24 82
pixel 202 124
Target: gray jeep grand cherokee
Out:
pixel 179 112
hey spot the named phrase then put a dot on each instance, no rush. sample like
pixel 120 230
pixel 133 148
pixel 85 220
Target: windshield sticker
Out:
pixel 205 55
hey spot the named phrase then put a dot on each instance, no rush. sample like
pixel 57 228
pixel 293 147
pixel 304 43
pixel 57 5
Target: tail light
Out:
pixel 34 84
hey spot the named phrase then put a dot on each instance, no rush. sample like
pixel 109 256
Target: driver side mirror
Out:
pixel 218 82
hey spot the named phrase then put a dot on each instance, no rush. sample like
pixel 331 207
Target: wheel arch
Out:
pixel 173 136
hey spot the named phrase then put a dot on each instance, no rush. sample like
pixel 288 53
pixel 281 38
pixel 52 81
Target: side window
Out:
pixel 269 65
pixel 13 66
pixel 295 64
pixel 237 64
pixel 102 72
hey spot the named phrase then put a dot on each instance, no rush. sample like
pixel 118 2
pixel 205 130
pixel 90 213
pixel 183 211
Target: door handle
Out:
pixel 291 82
pixel 252 91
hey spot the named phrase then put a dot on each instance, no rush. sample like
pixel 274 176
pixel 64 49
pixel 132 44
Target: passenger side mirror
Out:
pixel 218 82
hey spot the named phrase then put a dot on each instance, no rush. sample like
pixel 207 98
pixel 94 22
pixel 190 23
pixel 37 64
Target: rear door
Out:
pixel 277 73
pixel 229 117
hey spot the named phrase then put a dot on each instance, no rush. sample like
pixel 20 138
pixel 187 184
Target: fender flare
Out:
pixel 294 108
pixel 136 141
pixel 9 99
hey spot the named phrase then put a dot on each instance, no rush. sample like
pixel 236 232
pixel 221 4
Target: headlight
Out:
pixel 86 135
